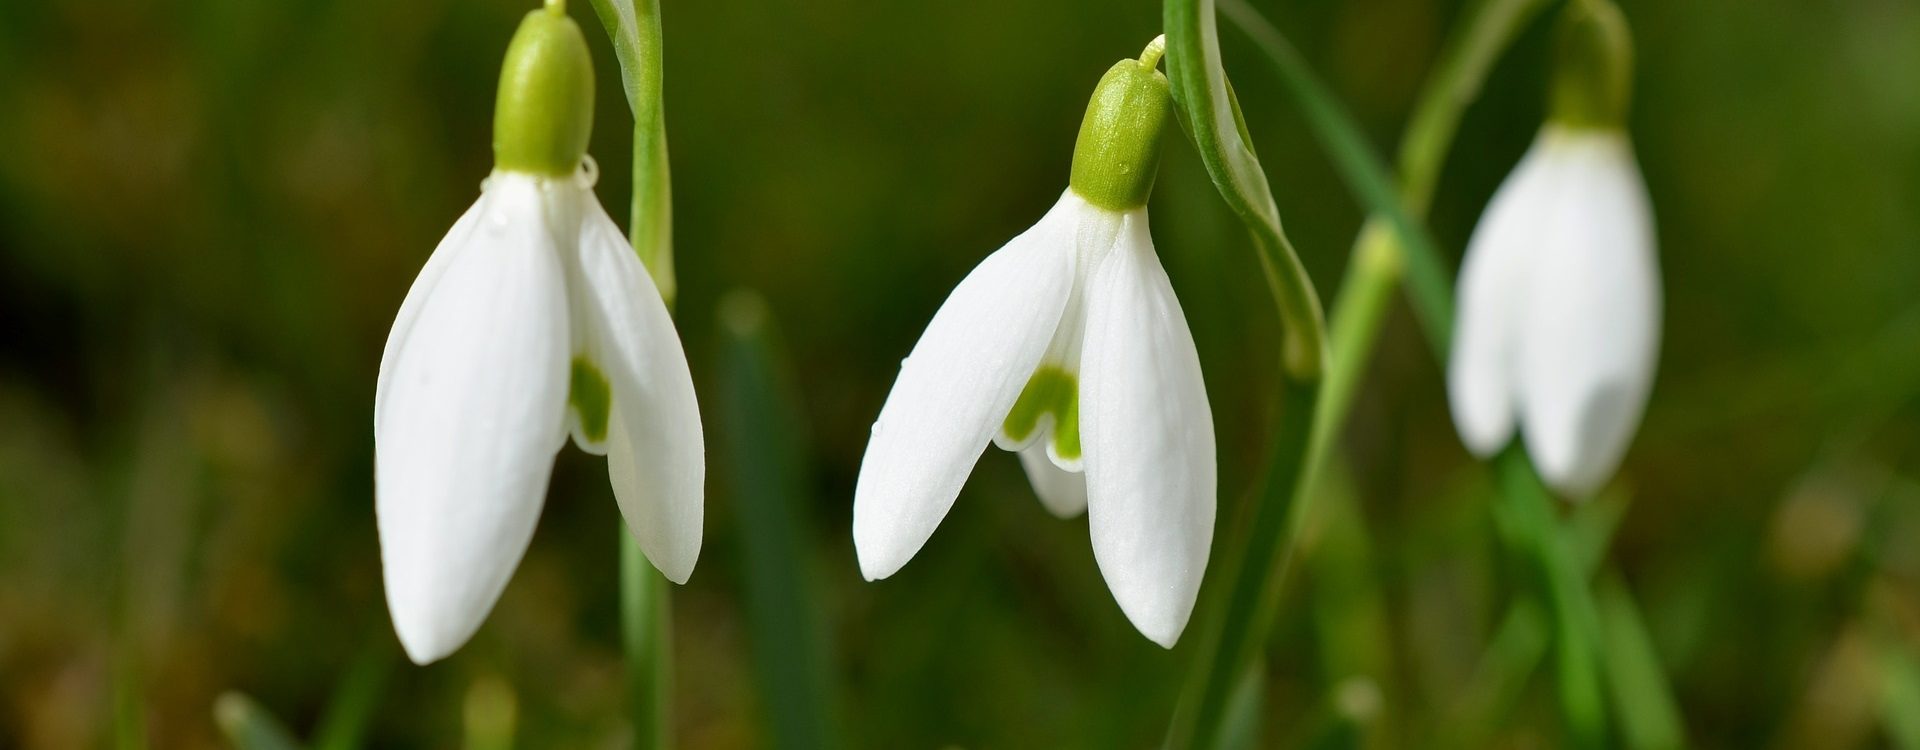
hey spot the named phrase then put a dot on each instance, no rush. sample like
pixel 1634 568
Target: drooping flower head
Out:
pixel 532 320
pixel 1067 346
pixel 1559 324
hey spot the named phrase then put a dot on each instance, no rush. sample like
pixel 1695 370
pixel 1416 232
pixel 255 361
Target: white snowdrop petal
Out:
pixel 1064 493
pixel 473 396
pixel 1492 294
pixel 656 452
pixel 1591 327
pixel 458 239
pixel 1148 437
pixel 956 388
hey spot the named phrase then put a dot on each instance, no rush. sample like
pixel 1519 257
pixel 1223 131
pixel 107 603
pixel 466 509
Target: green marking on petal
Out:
pixel 590 397
pixel 1054 391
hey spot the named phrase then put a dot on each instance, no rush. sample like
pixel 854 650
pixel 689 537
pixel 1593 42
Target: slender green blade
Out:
pixel 344 724
pixel 1563 585
pixel 762 447
pixel 1500 679
pixel 1244 726
pixel 250 726
pixel 1900 696
pixel 1649 720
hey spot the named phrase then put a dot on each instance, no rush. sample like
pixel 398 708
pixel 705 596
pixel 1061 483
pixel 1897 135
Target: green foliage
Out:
pixel 210 211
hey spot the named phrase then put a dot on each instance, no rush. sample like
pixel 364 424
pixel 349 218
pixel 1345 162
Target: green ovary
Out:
pixel 590 397
pixel 1055 391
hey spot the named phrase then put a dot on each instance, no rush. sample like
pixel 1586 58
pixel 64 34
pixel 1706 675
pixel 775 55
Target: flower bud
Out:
pixel 1118 152
pixel 1593 72
pixel 544 113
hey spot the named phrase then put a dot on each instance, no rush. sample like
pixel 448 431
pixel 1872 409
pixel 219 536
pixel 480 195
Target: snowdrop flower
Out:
pixel 531 321
pixel 1559 324
pixel 1067 346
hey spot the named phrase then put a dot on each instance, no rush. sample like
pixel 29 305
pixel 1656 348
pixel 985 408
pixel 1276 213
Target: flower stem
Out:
pixel 1380 257
pixel 634 26
pixel 1393 243
pixel 645 609
pixel 647 638
pixel 1231 630
pixel 1150 57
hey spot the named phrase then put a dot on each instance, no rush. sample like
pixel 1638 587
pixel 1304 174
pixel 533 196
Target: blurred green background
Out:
pixel 210 211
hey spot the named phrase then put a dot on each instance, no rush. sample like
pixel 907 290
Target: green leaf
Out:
pixel 1649 719
pixel 1244 725
pixel 344 724
pixel 1530 509
pixel 761 444
pixel 1900 695
pixel 249 726
pixel 1500 679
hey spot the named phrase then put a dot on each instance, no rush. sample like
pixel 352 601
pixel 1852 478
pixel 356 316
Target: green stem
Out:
pixel 1565 588
pixel 1357 316
pixel 634 26
pixel 1365 173
pixel 1379 255
pixel 343 725
pixel 1232 630
pixel 647 638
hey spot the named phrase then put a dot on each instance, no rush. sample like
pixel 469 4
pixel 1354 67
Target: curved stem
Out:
pixel 1231 630
pixel 645 605
pixel 634 26
pixel 1380 258
pixel 1156 49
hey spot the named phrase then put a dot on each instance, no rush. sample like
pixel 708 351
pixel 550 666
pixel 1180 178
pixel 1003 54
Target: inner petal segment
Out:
pixel 1049 407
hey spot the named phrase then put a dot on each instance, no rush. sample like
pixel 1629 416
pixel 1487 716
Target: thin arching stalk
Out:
pixel 645 624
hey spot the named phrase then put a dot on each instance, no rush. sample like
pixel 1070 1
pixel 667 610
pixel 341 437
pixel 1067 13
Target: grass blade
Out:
pixel 762 446
pixel 249 726
pixel 1648 718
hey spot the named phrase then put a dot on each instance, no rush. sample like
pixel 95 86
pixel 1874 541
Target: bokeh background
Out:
pixel 210 210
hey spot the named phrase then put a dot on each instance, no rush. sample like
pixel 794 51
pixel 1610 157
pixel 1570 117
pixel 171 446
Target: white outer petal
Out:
pixel 1064 493
pixel 956 388
pixel 1493 290
pixel 1591 328
pixel 656 453
pixel 470 414
pixel 457 239
pixel 1148 437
